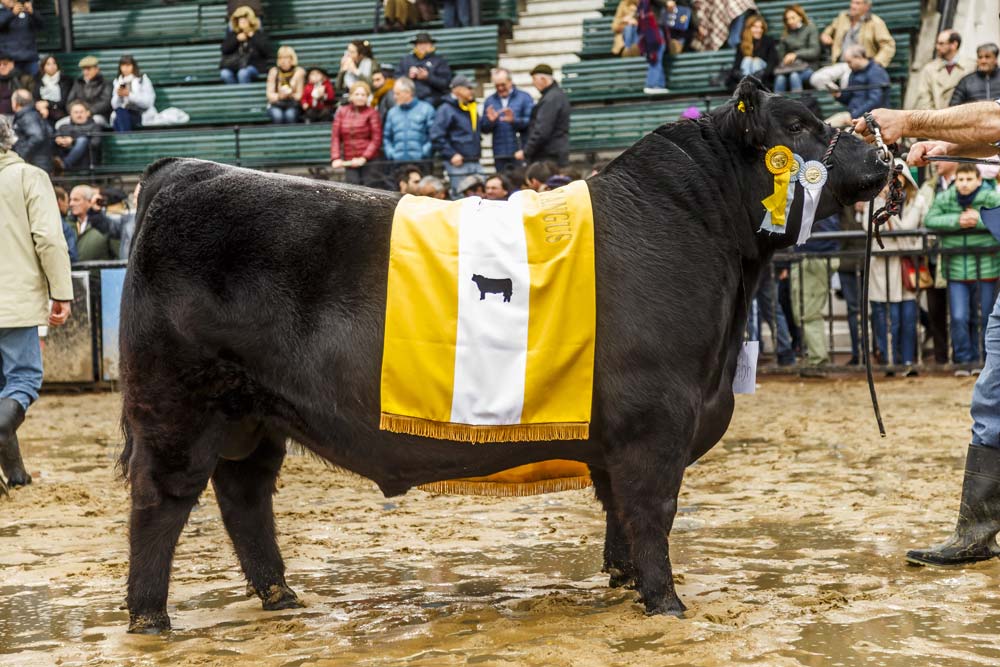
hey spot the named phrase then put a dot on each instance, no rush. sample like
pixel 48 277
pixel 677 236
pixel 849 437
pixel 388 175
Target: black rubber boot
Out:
pixel 978 517
pixel 11 416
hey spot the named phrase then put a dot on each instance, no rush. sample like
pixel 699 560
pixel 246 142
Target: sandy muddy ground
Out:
pixel 788 551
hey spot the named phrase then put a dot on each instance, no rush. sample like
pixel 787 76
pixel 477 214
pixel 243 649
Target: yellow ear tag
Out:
pixel 742 107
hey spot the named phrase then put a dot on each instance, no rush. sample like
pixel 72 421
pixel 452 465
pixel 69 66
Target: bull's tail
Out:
pixel 126 455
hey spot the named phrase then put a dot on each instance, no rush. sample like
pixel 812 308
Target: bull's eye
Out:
pixel 795 128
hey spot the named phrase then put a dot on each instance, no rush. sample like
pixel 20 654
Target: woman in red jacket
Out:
pixel 357 136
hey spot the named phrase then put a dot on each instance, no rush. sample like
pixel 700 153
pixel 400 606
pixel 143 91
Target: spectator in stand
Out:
pixel 19 24
pixel 867 87
pixel 857 26
pixel 318 97
pixel 432 186
pixel 538 173
pixel 134 96
pixel 939 77
pixel 34 136
pixel 406 136
pixel 285 86
pixel 383 83
pixel 408 179
pixel 91 244
pixel 720 23
pixel 625 27
pixel 10 80
pixel 62 200
pixel 356 136
pixel 91 87
pixel 245 49
pixel 399 15
pixel 810 291
pixel 118 227
pixel 51 91
pixel 548 129
pixel 79 140
pixel 506 115
pixel 652 45
pixel 497 188
pixel 472 186
pixel 428 70
pixel 984 83
pixel 798 51
pixel 893 303
pixel 357 64
pixel 757 53
pixel 459 13
pixel 971 278
pixel 455 133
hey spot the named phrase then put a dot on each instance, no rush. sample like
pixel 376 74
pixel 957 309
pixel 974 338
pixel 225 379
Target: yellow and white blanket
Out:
pixel 490 318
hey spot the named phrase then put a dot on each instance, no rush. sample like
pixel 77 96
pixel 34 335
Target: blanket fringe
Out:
pixel 470 433
pixel 462 487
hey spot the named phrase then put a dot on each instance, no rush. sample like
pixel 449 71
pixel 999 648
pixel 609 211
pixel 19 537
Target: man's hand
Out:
pixel 412 73
pixel 96 202
pixel 968 219
pixel 457 160
pixel 508 115
pixel 59 313
pixel 491 114
pixel 917 155
pixel 826 39
pixel 892 124
pixel 519 155
pixel 422 73
pixel 64 142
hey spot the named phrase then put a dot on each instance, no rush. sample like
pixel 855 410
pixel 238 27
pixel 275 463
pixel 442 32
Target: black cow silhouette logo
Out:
pixel 486 286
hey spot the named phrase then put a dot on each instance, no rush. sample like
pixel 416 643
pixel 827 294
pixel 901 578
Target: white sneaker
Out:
pixel 962 373
pixel 655 91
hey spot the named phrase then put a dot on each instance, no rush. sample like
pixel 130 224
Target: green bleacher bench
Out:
pixel 621 125
pixel 200 63
pixel 259 146
pixel 217 104
pixel 613 79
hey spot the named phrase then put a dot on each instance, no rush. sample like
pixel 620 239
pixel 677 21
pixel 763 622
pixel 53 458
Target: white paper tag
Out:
pixel 745 380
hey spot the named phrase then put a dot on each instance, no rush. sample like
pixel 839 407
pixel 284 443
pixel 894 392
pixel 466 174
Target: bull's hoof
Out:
pixel 281 597
pixel 148 624
pixel 18 478
pixel 670 607
pixel 619 579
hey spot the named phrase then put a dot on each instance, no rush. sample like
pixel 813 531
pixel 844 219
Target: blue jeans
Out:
pixel 456 13
pixel 769 310
pixel 986 396
pixel 900 320
pixel 966 301
pixel 849 288
pixel 79 155
pixel 656 77
pixel 20 365
pixel 793 79
pixel 283 114
pixel 750 65
pixel 126 120
pixel 245 75
pixel 456 174
pixel 630 35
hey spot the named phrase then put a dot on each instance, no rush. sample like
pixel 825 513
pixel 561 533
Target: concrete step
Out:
pixel 542 49
pixel 558 19
pixel 550 32
pixel 536 7
pixel 518 64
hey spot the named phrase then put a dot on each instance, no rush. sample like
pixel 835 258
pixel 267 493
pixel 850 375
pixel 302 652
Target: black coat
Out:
pixel 96 93
pixel 437 85
pixel 34 138
pixel 8 84
pixel 548 130
pixel 17 35
pixel 977 87
pixel 57 110
pixel 257 50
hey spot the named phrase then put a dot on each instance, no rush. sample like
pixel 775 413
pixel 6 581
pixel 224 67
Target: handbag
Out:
pixel 796 66
pixel 237 60
pixel 915 274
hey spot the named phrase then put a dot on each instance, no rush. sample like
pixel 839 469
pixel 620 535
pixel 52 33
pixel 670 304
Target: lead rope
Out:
pixel 876 219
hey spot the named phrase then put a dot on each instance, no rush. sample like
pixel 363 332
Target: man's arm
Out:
pixel 972 124
pixel 47 235
pixel 919 152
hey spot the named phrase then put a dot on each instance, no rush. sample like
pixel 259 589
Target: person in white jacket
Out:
pixel 894 300
pixel 133 97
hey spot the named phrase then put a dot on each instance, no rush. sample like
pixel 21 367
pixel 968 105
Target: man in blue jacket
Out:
pixel 506 115
pixel 456 133
pixel 19 23
pixel 406 134
pixel 866 74
pixel 428 70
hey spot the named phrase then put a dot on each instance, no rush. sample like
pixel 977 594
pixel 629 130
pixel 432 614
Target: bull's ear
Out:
pixel 748 121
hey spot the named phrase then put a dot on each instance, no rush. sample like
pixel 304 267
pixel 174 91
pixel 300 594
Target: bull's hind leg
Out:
pixel 645 482
pixel 617 555
pixel 168 467
pixel 244 489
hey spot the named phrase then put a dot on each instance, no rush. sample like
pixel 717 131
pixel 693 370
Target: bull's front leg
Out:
pixel 645 481
pixel 617 553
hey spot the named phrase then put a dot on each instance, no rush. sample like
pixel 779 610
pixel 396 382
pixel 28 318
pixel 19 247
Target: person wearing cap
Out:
pixel 506 115
pixel 36 263
pixel 472 186
pixel 10 80
pixel 428 70
pixel 548 129
pixel 318 98
pixel 91 87
pixel 455 133
pixel 19 24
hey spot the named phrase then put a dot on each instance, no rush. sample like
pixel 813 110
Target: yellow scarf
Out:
pixel 471 108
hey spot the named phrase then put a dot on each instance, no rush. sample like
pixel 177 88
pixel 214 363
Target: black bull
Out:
pixel 254 306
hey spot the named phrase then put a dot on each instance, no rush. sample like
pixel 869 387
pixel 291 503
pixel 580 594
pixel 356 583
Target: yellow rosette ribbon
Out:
pixel 779 161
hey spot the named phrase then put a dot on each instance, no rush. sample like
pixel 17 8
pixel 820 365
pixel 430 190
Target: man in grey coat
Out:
pixel 548 130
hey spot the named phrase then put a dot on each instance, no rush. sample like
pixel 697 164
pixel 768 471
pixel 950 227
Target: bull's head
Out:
pixel 756 120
